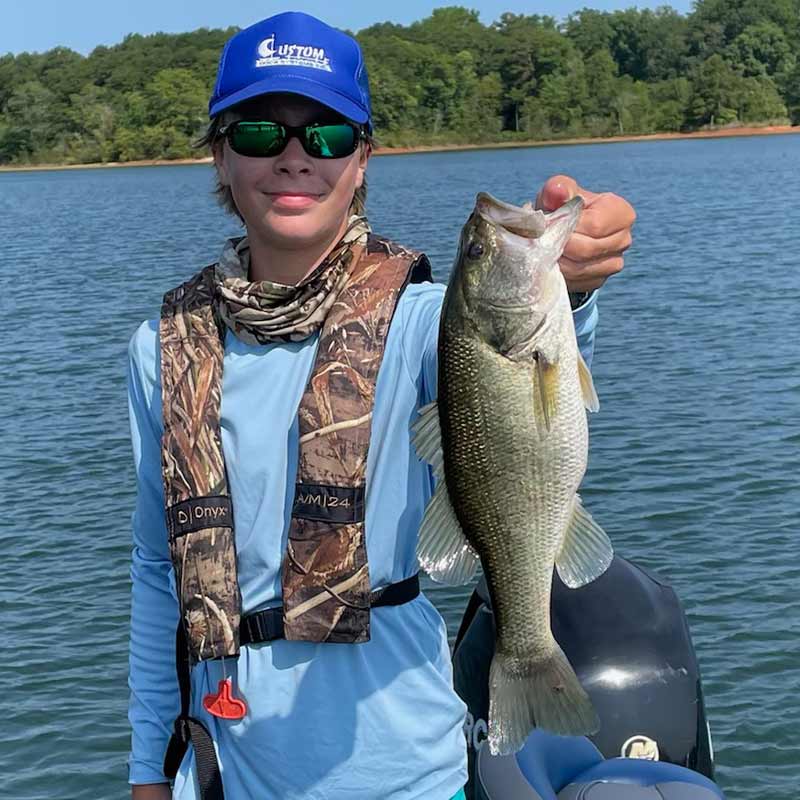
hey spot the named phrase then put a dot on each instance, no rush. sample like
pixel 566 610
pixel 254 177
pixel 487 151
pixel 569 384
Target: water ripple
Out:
pixel 694 455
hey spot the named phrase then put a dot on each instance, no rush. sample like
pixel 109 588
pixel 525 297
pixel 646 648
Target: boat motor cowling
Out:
pixel 627 638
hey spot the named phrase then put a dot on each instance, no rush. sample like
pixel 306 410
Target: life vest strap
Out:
pixel 261 626
pixel 188 729
pixel 267 625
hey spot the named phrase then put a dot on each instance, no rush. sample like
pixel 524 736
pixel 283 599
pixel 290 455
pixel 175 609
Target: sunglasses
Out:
pixel 264 139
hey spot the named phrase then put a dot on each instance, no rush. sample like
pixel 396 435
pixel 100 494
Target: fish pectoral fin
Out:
pixel 443 550
pixel 546 386
pixel 586 550
pixel 590 399
pixel 427 438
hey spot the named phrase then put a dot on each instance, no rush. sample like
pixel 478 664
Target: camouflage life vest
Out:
pixel 325 575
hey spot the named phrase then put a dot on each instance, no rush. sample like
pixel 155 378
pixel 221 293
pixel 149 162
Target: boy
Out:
pixel 281 382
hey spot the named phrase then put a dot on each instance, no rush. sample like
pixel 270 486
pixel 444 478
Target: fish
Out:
pixel 507 440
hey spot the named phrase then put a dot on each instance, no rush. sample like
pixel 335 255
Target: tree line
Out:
pixel 448 78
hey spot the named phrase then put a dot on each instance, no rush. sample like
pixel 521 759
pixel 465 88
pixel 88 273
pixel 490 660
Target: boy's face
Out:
pixel 292 200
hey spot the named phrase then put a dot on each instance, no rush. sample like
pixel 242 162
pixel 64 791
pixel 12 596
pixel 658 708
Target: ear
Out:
pixel 218 151
pixel 364 152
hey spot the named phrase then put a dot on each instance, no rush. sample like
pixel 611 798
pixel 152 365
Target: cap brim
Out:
pixel 294 84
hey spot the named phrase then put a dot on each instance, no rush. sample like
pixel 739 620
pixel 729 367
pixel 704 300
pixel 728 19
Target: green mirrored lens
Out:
pixel 258 138
pixel 253 138
pixel 331 141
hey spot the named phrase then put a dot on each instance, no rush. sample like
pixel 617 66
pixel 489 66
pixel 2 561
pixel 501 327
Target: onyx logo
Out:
pixel 476 732
pixel 198 513
pixel 205 513
pixel 640 746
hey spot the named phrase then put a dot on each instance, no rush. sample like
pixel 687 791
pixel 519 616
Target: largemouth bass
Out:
pixel 508 441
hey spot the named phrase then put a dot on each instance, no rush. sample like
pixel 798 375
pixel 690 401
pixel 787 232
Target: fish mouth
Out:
pixel 524 221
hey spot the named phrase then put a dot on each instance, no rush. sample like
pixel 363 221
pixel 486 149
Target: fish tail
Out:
pixel 544 694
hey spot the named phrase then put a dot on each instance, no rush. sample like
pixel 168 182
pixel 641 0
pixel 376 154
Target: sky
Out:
pixel 81 25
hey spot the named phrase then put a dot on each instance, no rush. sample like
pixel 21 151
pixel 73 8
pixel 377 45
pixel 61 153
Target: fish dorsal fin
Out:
pixel 546 378
pixel 586 550
pixel 442 549
pixel 590 399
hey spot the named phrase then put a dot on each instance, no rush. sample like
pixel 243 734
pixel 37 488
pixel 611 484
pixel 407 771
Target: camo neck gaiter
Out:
pixel 258 312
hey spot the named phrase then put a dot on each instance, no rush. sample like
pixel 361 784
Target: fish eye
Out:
pixel 475 250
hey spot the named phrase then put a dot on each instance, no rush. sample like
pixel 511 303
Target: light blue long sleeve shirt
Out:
pixel 324 721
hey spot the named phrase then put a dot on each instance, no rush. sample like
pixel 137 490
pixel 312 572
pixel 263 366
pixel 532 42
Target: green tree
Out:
pixel 590 31
pixel 715 91
pixel 670 104
pixel 666 43
pixel 530 48
pixel 132 64
pixel 792 94
pixel 14 71
pixel 489 104
pixel 176 98
pixel 157 141
pixel 629 43
pixel 648 45
pixel 419 75
pixel 632 107
pixel 127 144
pixel 394 107
pixel 435 90
pixel 453 29
pixel 759 101
pixel 30 132
pixel 62 71
pixel 732 17
pixel 463 112
pixel 760 49
pixel 601 83
pixel 12 141
pixel 562 99
pixel 92 127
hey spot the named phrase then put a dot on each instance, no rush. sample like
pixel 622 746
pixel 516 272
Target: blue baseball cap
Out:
pixel 297 53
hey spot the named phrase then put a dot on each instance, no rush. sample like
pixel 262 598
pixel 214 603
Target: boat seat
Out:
pixel 599 790
pixel 571 768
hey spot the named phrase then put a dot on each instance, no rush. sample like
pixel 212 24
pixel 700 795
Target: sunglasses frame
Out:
pixel 299 132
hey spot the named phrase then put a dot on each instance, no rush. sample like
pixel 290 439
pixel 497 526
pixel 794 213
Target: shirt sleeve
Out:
pixel 584 317
pixel 154 697
pixel 420 309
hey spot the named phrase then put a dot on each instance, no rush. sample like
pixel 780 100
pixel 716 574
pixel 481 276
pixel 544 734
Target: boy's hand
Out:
pixel 594 252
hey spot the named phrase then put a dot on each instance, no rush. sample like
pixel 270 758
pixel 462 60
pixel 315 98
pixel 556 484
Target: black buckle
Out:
pixel 262 626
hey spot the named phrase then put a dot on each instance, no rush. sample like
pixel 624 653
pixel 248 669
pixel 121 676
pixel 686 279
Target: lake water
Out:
pixel 694 458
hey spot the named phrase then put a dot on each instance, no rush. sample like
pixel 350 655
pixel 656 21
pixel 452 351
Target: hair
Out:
pixel 211 139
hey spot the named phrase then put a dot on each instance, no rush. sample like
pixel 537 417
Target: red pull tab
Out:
pixel 223 704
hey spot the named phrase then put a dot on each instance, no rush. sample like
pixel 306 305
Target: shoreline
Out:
pixel 767 130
